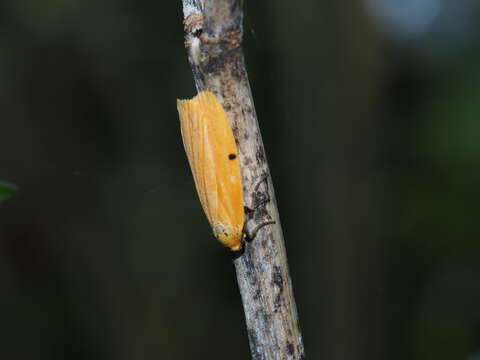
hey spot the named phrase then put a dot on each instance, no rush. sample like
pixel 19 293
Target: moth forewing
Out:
pixel 212 153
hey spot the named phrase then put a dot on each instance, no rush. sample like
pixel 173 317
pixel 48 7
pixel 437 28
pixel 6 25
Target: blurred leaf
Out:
pixel 450 135
pixel 6 190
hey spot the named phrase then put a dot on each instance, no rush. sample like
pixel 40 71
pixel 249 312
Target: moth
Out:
pixel 212 153
pixel 213 157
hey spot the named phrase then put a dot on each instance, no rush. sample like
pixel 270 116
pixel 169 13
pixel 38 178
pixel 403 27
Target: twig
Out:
pixel 213 40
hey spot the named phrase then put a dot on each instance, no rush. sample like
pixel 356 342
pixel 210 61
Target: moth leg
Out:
pixel 250 234
pixel 250 209
pixel 256 203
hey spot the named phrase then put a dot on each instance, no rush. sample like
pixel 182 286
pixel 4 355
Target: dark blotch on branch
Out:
pixel 277 278
pixel 214 64
pixel 227 107
pixel 290 349
pixel 277 303
pixel 260 156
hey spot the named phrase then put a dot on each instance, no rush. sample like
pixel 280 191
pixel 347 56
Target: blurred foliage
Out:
pixel 370 124
pixel 6 190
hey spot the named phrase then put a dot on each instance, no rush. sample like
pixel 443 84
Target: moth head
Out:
pixel 228 235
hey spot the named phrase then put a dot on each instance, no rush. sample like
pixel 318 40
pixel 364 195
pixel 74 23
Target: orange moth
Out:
pixel 212 153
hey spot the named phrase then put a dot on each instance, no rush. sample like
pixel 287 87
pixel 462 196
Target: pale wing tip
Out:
pixel 183 107
pixel 206 98
pixel 181 103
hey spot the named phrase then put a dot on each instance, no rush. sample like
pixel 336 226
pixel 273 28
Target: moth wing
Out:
pixel 227 167
pixel 213 157
pixel 194 131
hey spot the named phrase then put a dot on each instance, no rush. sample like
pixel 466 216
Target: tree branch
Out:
pixel 213 40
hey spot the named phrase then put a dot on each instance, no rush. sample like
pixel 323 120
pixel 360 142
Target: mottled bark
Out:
pixel 213 40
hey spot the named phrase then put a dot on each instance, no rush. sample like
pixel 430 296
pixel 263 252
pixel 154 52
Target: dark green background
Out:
pixel 373 143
